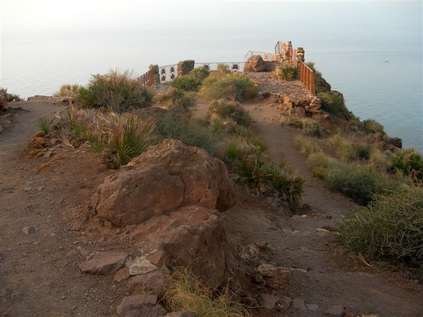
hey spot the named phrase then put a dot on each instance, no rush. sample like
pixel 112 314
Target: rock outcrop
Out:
pixel 189 237
pixel 255 64
pixel 165 178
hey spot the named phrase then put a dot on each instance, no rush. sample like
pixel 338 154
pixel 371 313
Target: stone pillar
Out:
pixel 153 75
pixel 300 54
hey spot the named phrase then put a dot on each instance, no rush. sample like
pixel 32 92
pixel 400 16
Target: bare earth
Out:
pixel 38 268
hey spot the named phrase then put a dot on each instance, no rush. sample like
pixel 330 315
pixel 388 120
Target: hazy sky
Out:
pixel 35 15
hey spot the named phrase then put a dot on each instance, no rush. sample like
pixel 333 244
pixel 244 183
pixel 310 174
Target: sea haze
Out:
pixel 369 50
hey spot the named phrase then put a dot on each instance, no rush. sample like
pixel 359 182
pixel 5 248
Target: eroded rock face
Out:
pixel 192 236
pixel 165 178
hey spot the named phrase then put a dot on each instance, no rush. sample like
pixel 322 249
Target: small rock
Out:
pixel 121 275
pixel 336 310
pixel 312 307
pixel 298 303
pixel 28 230
pixel 140 305
pixel 140 265
pixel 104 263
pixel 154 282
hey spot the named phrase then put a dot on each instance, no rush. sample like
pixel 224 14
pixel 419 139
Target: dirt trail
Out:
pixel 329 278
pixel 38 272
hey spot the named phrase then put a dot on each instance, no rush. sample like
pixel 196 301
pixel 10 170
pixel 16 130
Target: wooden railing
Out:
pixel 307 76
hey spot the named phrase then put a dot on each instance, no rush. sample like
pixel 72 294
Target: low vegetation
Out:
pixel 233 86
pixel 187 293
pixel 71 91
pixel 287 72
pixel 191 81
pixel 333 103
pixel 116 91
pixel 409 163
pixel 229 110
pixel 390 228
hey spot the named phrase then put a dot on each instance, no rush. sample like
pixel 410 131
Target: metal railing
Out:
pixel 284 53
pixel 307 76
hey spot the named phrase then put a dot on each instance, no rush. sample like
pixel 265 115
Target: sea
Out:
pixel 371 51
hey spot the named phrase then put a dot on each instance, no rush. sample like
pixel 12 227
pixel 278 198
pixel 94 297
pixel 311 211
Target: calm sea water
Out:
pixel 370 51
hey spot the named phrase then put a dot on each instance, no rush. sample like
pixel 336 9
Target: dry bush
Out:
pixel 69 91
pixel 116 91
pixel 390 228
pixel 187 293
pixel 233 86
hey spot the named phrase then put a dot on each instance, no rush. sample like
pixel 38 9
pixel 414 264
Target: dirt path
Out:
pixel 38 251
pixel 326 278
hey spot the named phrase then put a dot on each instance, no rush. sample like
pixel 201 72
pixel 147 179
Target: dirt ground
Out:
pixel 41 245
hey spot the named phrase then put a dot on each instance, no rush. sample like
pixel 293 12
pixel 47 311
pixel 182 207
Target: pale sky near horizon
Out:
pixel 30 15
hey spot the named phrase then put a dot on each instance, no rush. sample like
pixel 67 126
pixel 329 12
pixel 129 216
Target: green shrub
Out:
pixel 187 293
pixel 361 152
pixel 287 72
pixel 230 110
pixel 200 73
pixel 233 86
pixel 307 145
pixel 391 228
pixel 188 131
pixel 247 161
pixel 186 82
pixel 129 139
pixel 333 103
pixel 69 91
pixel 409 163
pixel 44 124
pixel 358 182
pixel 114 90
pixel 372 126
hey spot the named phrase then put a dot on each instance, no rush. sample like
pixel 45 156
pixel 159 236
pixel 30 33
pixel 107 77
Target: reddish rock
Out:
pixel 121 275
pixel 153 283
pixel 190 237
pixel 104 262
pixel 162 179
pixel 140 305
pixel 255 64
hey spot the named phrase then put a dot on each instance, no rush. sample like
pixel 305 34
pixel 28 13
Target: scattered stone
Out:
pixel 140 305
pixel 140 265
pixel 298 303
pixel 269 300
pixel 162 179
pixel 28 230
pixel 276 277
pixel 104 263
pixel 336 310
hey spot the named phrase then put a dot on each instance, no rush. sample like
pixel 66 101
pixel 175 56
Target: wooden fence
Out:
pixel 307 76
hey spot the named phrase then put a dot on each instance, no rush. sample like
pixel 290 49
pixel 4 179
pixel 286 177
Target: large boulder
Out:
pixel 163 179
pixel 255 64
pixel 191 237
